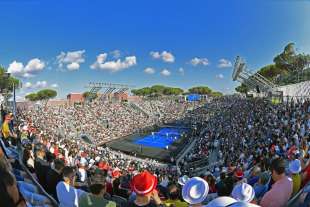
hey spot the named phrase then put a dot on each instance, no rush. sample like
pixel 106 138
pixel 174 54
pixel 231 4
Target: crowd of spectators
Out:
pixel 100 122
pixel 260 150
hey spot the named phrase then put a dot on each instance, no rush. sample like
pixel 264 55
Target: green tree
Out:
pixel 158 89
pixel 172 91
pixel 202 90
pixel 32 97
pixel 242 89
pixel 216 94
pixel 43 95
pixel 90 96
pixel 7 82
pixel 289 60
pixel 271 71
pixel 46 94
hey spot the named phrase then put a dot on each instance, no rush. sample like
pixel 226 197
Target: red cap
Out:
pixel 103 165
pixel 116 173
pixel 143 183
pixel 239 173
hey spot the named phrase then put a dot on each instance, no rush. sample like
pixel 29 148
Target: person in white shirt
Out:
pixel 67 194
pixel 82 170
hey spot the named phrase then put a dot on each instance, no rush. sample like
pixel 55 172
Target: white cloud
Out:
pixel 40 84
pixel 149 70
pixel 199 61
pixel 100 60
pixel 223 63
pixel 28 85
pixel 219 76
pixel 165 72
pixel 73 66
pixel 113 66
pixel 55 85
pixel 33 67
pixel 116 54
pixel 71 60
pixel 16 68
pixel 181 71
pixel 165 56
pixel 155 55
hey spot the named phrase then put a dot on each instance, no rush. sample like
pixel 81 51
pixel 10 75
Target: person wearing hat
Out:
pixel 243 192
pixel 195 191
pixel 144 186
pixel 282 188
pixel 222 201
pixel 182 180
pixel 97 190
pixel 295 169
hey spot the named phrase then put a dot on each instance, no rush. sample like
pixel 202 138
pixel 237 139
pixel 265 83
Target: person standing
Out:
pixel 8 135
pixel 281 190
pixel 67 194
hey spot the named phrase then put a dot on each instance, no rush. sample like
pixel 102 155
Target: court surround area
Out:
pixel 158 143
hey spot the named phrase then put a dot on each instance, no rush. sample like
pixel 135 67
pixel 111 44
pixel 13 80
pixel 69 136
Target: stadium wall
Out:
pixel 301 89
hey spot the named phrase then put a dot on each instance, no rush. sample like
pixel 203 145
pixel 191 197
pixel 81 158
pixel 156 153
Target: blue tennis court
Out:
pixel 162 138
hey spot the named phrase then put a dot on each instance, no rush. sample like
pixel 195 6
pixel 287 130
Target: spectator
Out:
pixel 41 166
pixel 9 194
pixel 54 176
pixel 222 201
pixel 295 169
pixel 282 189
pixel 182 180
pixel 67 194
pixel 174 197
pixel 143 185
pixel 195 191
pixel 8 135
pixel 261 187
pixel 82 170
pixel 243 192
pixel 254 175
pixel 96 197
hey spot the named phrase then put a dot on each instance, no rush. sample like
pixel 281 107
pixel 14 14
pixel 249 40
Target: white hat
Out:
pixel 221 202
pixel 97 159
pixel 182 180
pixel 83 161
pixel 295 166
pixel 195 190
pixel 242 204
pixel 25 128
pixel 243 192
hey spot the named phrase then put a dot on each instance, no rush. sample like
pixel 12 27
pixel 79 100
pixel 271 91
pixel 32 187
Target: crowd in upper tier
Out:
pixel 257 152
pixel 101 122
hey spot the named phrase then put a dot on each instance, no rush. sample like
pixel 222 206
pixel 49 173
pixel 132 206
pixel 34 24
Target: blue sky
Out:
pixel 56 43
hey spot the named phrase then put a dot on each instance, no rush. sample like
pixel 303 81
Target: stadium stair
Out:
pixel 137 107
